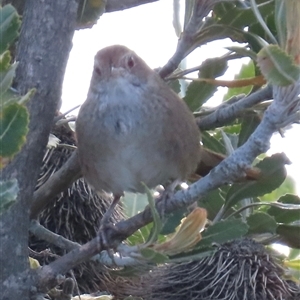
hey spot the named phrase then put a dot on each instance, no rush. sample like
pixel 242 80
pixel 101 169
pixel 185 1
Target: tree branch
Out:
pixel 284 106
pixel 45 234
pixel 186 43
pixel 226 113
pixel 55 184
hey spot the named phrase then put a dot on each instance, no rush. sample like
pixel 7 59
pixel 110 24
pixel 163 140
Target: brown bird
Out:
pixel 133 128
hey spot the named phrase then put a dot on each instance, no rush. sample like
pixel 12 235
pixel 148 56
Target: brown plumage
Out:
pixel 133 128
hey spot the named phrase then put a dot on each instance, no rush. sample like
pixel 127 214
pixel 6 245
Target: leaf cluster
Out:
pixel 14 117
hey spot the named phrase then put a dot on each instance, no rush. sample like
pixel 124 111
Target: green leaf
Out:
pixel 134 203
pixel 272 175
pixel 294 253
pixel 212 202
pixel 173 221
pixel 241 16
pixel 249 124
pixel 287 187
pixel 218 31
pixel 246 71
pixel 154 256
pixel 6 78
pixel 222 232
pixel 245 52
pixel 211 142
pixel 11 97
pixel 280 21
pixel 261 223
pixel 277 66
pixel 5 59
pixel 289 235
pixel 174 84
pixel 157 223
pixel 197 92
pixel 9 26
pixel 8 194
pixel 140 236
pixel 14 121
pixel 284 214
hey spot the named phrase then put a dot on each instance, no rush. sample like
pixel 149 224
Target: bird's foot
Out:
pixel 165 195
pixel 107 228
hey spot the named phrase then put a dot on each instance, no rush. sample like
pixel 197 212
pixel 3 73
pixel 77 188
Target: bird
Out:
pixel 133 130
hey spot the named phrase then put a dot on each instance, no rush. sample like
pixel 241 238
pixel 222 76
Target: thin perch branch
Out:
pixel 226 113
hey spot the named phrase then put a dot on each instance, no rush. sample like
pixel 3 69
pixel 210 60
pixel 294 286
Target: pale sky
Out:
pixel 148 30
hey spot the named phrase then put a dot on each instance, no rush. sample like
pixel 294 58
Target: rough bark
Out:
pixel 42 52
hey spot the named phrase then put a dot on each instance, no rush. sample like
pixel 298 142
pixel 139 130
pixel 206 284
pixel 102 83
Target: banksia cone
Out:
pixel 75 214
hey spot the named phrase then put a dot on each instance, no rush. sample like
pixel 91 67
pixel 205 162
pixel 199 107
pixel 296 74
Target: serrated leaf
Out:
pixel 6 78
pixel 289 235
pixel 5 61
pixel 249 124
pixel 277 66
pixel 272 175
pixel 14 121
pixel 8 193
pixel 261 223
pixel 284 214
pixel 9 26
pixel 154 256
pixel 222 232
pixel 246 71
pixel 198 93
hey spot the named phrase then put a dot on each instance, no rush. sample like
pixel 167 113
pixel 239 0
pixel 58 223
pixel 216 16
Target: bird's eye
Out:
pixel 97 71
pixel 130 62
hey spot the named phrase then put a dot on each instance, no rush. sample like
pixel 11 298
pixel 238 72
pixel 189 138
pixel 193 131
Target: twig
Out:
pixel 226 113
pixel 55 184
pixel 103 258
pixel 43 233
pixel 186 43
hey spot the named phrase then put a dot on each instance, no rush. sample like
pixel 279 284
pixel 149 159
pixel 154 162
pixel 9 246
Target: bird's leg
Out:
pixel 167 194
pixel 106 223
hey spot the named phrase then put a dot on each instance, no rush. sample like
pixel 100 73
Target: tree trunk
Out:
pixel 42 51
